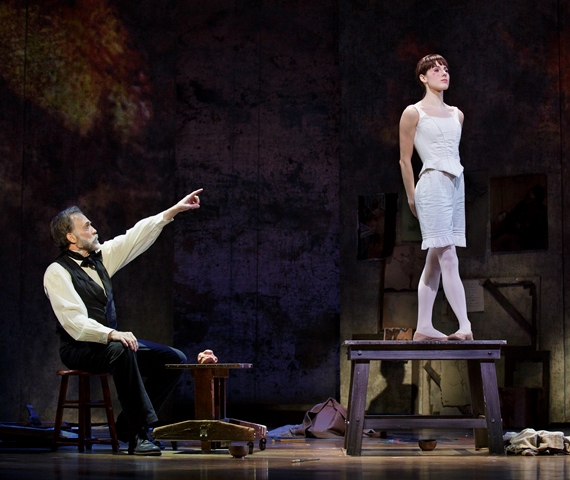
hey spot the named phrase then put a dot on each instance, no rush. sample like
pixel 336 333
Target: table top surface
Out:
pixel 211 366
pixel 367 350
pixel 424 345
pixel 437 342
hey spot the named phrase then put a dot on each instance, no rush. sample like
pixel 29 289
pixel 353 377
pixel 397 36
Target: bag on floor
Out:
pixel 324 420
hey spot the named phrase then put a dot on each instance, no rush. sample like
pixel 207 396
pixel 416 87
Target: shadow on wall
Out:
pixel 397 398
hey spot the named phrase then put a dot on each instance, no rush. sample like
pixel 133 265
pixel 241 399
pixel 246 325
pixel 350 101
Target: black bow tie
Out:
pixel 86 261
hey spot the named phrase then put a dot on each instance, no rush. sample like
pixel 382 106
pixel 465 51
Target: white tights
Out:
pixel 441 262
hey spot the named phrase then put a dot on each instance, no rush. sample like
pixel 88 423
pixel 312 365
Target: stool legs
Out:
pixel 109 412
pixel 83 404
pixel 59 412
pixel 84 423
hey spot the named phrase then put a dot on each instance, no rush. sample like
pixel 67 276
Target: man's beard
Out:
pixel 88 245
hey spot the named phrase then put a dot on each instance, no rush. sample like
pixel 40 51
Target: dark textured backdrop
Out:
pixel 241 99
pixel 96 129
pixel 284 112
pixel 257 271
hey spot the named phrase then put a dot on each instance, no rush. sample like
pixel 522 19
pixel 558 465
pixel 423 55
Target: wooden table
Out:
pixel 210 387
pixel 480 356
pixel 210 424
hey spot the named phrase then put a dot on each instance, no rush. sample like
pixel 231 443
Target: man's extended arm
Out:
pixel 68 306
pixel 189 202
pixel 125 248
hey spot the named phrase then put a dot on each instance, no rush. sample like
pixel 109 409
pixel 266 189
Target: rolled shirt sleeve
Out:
pixel 123 249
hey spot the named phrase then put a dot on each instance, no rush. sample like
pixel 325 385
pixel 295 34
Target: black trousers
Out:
pixel 141 380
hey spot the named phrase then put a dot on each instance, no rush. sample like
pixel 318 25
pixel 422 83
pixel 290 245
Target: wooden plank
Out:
pixel 204 431
pixel 477 402
pixel 204 398
pixel 494 354
pixel 348 434
pixel 420 421
pixel 400 349
pixel 415 345
pixel 357 405
pixel 510 308
pixel 260 430
pixel 492 407
pixel 220 397
pixel 208 366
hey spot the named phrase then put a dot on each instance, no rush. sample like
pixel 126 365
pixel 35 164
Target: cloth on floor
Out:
pixel 324 420
pixel 286 431
pixel 533 442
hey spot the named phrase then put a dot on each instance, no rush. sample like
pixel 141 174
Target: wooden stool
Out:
pixel 84 404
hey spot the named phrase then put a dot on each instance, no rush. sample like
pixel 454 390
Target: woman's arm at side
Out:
pixel 408 123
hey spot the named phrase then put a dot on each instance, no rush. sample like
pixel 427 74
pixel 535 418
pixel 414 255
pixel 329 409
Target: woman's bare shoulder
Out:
pixel 410 113
pixel 460 115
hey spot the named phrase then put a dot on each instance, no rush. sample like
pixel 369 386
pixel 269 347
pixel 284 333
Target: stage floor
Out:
pixel 396 457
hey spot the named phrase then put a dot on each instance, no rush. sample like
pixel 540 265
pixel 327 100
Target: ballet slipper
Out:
pixel 461 336
pixel 420 337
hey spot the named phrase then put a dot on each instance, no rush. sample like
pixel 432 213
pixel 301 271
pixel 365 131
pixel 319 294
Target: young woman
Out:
pixel 438 198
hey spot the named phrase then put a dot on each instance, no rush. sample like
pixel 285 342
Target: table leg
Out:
pixel 357 407
pixel 492 407
pixel 477 402
pixel 210 398
pixel 204 400
pixel 220 398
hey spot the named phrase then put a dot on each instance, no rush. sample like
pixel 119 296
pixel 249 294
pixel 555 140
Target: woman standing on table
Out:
pixel 438 199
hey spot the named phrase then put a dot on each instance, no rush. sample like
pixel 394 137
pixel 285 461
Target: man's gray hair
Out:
pixel 61 225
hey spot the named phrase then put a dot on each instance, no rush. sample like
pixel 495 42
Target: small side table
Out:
pixel 210 387
pixel 210 405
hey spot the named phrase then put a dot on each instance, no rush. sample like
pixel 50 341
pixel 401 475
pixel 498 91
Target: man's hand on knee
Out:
pixel 126 338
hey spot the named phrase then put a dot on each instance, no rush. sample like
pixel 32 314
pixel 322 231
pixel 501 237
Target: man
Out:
pixel 78 285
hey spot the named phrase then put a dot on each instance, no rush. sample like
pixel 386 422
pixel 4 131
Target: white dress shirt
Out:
pixel 68 306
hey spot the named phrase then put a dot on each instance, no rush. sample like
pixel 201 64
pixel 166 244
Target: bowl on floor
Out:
pixel 427 444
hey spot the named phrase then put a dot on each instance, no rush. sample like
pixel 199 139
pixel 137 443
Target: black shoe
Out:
pixel 141 445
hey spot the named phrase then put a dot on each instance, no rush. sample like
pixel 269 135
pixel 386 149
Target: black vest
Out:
pixel 91 293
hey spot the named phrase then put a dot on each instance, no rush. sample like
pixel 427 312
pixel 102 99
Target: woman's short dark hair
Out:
pixel 429 61
pixel 61 225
